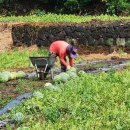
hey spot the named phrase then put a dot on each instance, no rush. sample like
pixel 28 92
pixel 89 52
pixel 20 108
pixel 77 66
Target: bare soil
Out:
pixel 5 40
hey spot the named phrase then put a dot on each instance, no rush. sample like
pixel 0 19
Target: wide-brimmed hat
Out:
pixel 72 51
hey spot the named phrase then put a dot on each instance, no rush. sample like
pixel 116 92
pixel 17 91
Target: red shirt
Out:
pixel 59 47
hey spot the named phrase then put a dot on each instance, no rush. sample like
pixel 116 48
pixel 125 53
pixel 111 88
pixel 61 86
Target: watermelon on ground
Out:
pixel 57 79
pixel 22 128
pixel 20 74
pixel 18 116
pixel 64 74
pixel 7 73
pixel 81 73
pixel 4 77
pixel 14 75
pixel 72 74
pixel 37 94
pixel 47 84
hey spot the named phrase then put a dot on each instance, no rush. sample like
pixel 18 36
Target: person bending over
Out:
pixel 62 49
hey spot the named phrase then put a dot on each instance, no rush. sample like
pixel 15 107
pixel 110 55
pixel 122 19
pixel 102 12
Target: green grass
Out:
pixel 90 102
pixel 18 59
pixel 60 18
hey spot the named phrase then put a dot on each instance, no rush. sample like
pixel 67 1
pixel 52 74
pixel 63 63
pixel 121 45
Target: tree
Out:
pixel 117 6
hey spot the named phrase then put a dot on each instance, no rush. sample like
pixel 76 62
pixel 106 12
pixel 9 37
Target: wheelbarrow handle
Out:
pixel 36 69
pixel 45 68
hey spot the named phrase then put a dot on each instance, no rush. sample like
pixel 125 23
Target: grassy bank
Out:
pixel 60 18
pixel 96 102
pixel 19 58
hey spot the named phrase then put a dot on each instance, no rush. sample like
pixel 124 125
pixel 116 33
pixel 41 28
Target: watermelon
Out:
pixel 62 77
pixel 57 79
pixel 7 73
pixel 37 94
pixel 48 84
pixel 72 74
pixel 4 77
pixel 14 75
pixel 81 73
pixel 53 87
pixel 22 128
pixel 20 74
pixel 18 116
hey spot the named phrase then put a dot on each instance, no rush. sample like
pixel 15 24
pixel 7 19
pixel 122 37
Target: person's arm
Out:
pixel 61 57
pixel 71 61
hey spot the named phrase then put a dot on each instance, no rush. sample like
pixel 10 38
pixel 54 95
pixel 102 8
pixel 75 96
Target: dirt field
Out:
pixel 5 39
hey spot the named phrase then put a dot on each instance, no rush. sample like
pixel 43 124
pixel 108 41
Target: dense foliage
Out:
pixel 18 59
pixel 97 102
pixel 79 7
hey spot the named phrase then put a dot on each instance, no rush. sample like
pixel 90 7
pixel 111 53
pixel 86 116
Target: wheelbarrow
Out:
pixel 42 64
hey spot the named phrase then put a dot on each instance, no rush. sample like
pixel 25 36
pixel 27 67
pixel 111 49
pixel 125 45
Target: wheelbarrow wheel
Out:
pixel 41 75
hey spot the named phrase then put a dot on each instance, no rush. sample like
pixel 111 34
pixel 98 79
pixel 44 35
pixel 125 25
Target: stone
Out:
pixel 110 41
pixel 128 42
pixel 120 41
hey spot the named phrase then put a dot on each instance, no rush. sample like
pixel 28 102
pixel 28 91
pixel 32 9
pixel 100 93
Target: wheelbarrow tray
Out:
pixel 40 62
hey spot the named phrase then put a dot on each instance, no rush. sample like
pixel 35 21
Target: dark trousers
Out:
pixel 63 68
pixel 52 60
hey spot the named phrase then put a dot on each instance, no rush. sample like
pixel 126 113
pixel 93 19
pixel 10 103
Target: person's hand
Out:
pixel 68 67
pixel 73 69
